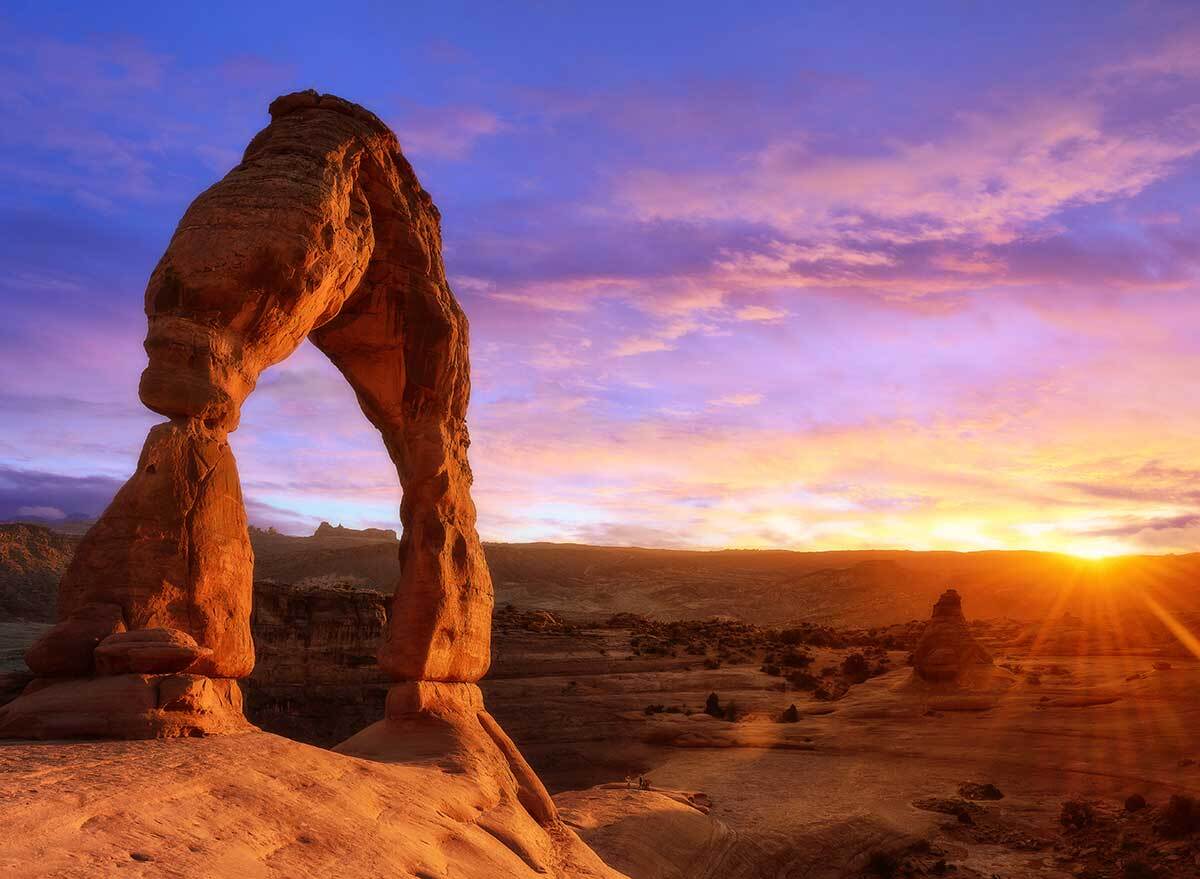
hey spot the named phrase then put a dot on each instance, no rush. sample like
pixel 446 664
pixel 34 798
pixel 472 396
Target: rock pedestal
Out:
pixel 947 648
pixel 322 231
pixel 447 723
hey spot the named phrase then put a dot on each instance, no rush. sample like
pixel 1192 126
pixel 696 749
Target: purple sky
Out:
pixel 838 278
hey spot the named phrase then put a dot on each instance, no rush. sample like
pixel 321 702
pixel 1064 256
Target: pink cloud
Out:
pixel 991 179
pixel 445 132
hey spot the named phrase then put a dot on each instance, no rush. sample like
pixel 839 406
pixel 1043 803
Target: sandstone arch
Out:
pixel 322 231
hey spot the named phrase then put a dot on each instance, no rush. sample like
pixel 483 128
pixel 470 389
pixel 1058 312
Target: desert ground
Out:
pixel 830 757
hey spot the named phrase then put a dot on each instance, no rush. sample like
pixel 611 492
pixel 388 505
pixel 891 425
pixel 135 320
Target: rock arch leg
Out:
pixel 406 357
pixel 322 228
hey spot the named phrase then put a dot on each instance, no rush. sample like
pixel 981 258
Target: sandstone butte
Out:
pixel 947 649
pixel 321 232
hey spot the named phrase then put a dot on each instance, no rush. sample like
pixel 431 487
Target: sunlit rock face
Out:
pixel 321 232
pixel 947 648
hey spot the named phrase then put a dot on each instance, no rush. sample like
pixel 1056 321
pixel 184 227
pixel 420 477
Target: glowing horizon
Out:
pixel 735 280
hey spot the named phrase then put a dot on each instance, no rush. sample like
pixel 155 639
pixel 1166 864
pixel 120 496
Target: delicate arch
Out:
pixel 322 231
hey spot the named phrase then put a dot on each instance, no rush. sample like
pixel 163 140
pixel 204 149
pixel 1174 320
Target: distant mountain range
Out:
pixel 771 587
pixel 768 587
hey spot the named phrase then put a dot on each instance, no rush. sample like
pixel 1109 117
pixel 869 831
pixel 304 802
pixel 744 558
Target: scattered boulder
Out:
pixel 148 651
pixel 970 790
pixel 947 649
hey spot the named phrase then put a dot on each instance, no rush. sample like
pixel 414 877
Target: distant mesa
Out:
pixel 327 530
pixel 947 648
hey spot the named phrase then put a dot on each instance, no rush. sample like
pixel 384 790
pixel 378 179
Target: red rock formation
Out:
pixel 322 231
pixel 947 648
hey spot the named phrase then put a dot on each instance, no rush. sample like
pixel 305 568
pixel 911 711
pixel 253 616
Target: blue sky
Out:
pixel 843 276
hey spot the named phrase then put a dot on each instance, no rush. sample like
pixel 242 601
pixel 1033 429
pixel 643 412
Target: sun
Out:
pixel 1095 551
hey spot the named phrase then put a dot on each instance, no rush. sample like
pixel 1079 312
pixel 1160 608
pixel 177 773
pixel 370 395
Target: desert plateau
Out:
pixel 829 753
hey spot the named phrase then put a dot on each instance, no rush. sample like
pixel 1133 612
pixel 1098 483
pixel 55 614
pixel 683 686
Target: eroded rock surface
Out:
pixel 947 648
pixel 259 805
pixel 322 231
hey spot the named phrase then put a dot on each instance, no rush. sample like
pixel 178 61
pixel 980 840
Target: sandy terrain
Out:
pixel 820 796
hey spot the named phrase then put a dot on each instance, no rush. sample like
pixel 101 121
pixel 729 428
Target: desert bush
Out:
pixel 1181 817
pixel 883 864
pixel 792 636
pixel 790 714
pixel 803 680
pixel 712 705
pixel 1076 814
pixel 855 668
pixel 1138 869
pixel 332 581
pixel 796 659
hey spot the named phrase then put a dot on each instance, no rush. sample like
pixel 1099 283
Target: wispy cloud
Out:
pixel 448 133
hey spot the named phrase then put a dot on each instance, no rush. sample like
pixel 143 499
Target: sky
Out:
pixel 738 275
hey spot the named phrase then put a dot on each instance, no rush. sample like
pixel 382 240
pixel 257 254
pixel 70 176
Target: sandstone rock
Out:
pixel 148 651
pixel 66 650
pixel 315 677
pixel 947 648
pixel 322 231
pixel 125 707
pixel 257 805
pixel 447 722
pixel 325 530
pixel 660 834
pixel 172 549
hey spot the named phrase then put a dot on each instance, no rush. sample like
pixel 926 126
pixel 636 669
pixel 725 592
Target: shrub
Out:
pixel 883 864
pixel 790 715
pixel 1181 816
pixel 1076 814
pixel 712 706
pixel 856 668
pixel 803 680
pixel 796 658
